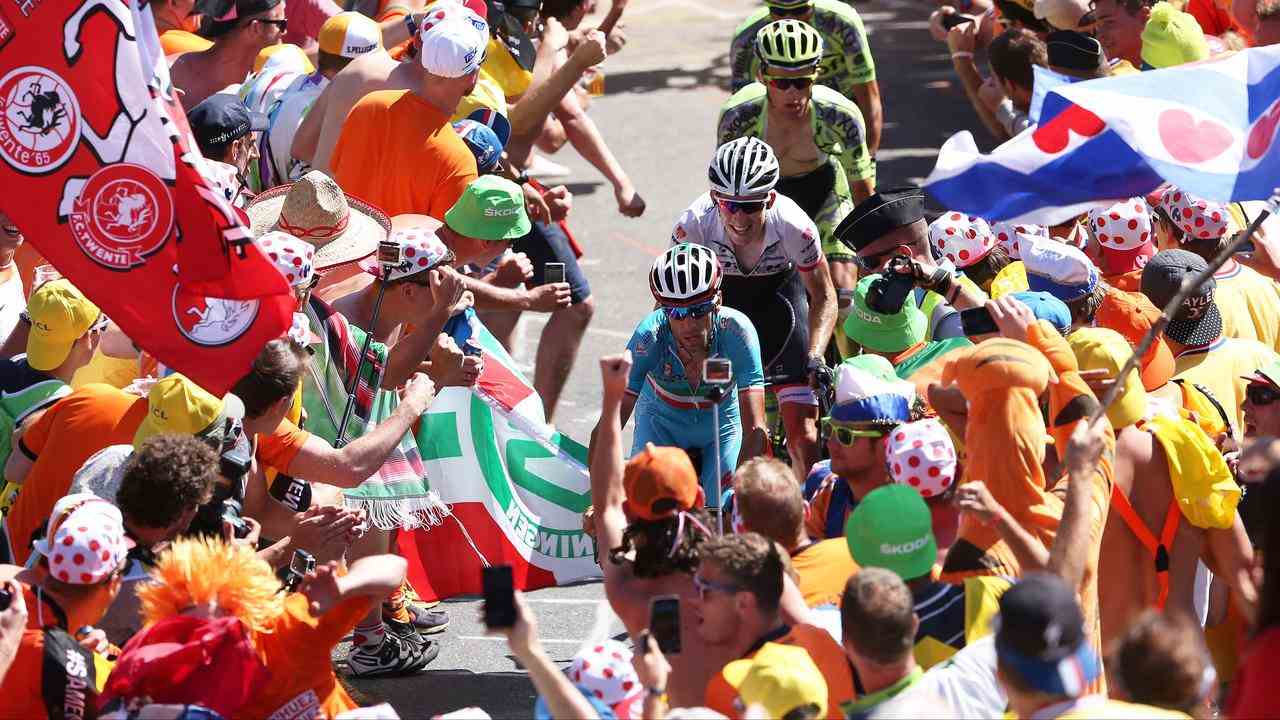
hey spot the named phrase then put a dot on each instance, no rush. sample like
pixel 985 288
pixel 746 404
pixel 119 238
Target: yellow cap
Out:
pixel 283 56
pixel 60 314
pixel 781 678
pixel 177 405
pixel 1106 349
pixel 1172 37
pixel 349 35
pixel 1012 279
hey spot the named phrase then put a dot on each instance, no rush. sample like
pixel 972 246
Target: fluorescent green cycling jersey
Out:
pixel 838 128
pixel 846 55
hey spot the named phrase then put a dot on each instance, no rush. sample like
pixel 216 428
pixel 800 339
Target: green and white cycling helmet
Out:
pixel 789 44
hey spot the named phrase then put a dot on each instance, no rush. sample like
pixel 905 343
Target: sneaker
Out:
pixel 428 622
pixel 411 597
pixel 394 656
pixel 541 168
pixel 400 628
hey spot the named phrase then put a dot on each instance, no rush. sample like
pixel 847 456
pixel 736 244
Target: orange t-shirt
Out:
pixel 297 653
pixel 69 432
pixel 81 424
pixel 826 654
pixel 824 567
pixel 400 153
pixel 46 667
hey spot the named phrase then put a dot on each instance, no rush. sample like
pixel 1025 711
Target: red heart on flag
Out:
pixel 1264 130
pixel 1053 136
pixel 1192 141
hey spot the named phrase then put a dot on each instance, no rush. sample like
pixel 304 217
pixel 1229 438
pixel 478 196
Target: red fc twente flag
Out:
pixel 100 171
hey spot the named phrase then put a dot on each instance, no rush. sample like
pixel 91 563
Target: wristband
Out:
pixel 522 178
pixel 411 25
pixel 659 693
pixel 960 54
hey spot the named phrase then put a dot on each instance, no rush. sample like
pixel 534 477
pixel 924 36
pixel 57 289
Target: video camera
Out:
pixel 888 292
pixel 235 457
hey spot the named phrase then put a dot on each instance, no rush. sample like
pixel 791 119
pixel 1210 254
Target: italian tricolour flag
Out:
pixel 516 486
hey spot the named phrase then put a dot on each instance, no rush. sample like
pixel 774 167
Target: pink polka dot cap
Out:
pixel 604 670
pixel 84 542
pixel 920 454
pixel 420 250
pixel 1123 232
pixel 962 239
pixel 293 257
pixel 1197 218
pixel 1006 235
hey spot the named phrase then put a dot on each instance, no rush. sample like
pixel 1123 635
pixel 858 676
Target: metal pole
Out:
pixel 1167 312
pixel 716 396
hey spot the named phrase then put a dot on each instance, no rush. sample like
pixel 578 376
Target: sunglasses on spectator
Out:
pixel 847 436
pixel 750 207
pixel 803 82
pixel 282 25
pixel 705 586
pixel 781 12
pixel 688 312
pixel 870 263
pixel 1259 394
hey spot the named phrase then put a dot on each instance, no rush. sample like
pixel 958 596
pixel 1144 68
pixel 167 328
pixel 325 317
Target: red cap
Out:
pixel 479 7
pixel 660 481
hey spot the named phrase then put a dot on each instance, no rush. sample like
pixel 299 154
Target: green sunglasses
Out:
pixel 846 435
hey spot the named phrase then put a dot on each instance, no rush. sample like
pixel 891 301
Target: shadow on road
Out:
pixel 503 694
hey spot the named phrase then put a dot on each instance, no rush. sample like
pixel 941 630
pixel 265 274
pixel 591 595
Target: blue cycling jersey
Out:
pixel 670 412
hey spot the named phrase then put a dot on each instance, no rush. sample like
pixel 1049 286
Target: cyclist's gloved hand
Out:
pixel 820 376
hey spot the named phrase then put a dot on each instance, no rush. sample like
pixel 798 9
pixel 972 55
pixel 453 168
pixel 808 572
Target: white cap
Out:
pixel 453 40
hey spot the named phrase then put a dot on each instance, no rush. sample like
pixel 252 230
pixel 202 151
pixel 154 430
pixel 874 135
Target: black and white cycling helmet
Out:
pixel 744 167
pixel 686 274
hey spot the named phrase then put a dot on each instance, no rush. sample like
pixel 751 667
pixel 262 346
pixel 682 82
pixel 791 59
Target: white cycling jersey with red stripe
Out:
pixel 791 238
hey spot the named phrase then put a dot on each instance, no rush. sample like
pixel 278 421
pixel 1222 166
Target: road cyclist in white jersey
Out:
pixel 774 273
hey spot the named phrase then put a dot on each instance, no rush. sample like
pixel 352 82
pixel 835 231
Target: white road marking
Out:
pixel 562 601
pixel 899 153
pixel 557 641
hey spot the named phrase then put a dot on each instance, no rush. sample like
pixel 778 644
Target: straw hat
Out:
pixel 342 228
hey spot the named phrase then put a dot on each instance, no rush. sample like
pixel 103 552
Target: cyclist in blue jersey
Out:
pixel 672 403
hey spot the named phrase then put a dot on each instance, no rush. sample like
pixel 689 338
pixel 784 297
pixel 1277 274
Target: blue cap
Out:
pixel 222 118
pixel 1047 307
pixel 495 121
pixel 604 712
pixel 482 141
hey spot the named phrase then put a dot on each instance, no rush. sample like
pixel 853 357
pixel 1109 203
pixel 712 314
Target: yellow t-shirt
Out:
pixel 1221 368
pixel 503 68
pixel 1250 304
pixel 487 95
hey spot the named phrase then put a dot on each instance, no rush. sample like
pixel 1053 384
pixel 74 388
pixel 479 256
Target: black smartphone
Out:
pixel 499 597
pixel 664 623
pixel 6 597
pixel 554 273
pixel 977 321
pixel 951 20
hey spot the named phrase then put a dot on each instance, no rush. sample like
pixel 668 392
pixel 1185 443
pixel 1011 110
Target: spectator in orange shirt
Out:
pixel 398 149
pixel 740 584
pixel 767 500
pixel 293 633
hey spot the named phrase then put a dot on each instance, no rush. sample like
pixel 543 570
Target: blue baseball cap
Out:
pixel 483 143
pixel 495 121
pixel 222 118
pixel 1047 307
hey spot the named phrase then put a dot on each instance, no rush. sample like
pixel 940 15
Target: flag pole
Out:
pixel 1189 285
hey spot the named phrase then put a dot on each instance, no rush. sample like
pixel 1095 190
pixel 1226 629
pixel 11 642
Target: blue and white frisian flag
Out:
pixel 1209 128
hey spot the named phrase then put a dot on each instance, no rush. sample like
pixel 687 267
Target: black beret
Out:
pixel 879 214
pixel 1073 50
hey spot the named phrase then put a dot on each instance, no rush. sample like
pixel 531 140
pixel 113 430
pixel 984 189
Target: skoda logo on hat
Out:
pixel 501 212
pixel 904 548
pixel 867 317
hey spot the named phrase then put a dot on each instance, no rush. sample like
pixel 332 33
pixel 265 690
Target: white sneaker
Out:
pixel 542 168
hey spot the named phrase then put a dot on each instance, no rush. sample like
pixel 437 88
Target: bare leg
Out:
pixel 557 349
pixel 801 423
pixel 844 275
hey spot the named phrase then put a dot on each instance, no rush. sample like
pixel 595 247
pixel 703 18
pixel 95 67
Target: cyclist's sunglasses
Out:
pixel 786 12
pixel 750 207
pixel 803 82
pixel 1260 395
pixel 871 263
pixel 688 312
pixel 846 435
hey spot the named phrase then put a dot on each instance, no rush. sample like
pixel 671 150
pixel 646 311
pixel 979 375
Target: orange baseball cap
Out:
pixel 1132 315
pixel 660 481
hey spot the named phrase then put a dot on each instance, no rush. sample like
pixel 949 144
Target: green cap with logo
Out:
pixel 491 208
pixel 884 333
pixel 892 528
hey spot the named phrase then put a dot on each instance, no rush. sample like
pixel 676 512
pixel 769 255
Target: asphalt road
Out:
pixel 663 94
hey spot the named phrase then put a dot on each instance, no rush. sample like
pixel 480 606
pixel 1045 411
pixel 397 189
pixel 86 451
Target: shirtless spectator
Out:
pixel 657 552
pixel 239 30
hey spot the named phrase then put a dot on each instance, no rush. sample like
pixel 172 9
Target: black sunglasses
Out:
pixel 786 83
pixel 871 263
pixel 1261 394
pixel 281 25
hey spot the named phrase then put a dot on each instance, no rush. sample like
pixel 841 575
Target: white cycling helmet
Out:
pixel 744 167
pixel 686 274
